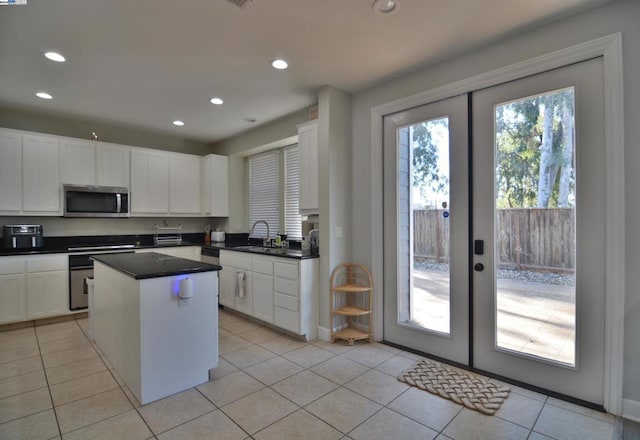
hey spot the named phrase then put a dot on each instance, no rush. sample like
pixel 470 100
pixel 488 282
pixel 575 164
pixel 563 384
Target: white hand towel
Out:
pixel 241 278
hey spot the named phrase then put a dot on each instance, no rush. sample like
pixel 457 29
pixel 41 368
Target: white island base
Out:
pixel 158 343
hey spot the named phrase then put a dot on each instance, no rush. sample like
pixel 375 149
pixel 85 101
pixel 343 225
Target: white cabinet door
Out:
pixel 244 303
pixel 77 162
pixel 13 298
pixel 308 147
pixel 10 172
pixel 227 287
pixel 47 294
pixel 188 252
pixel 112 165
pixel 263 296
pixel 40 175
pixel 184 184
pixel 149 182
pixel 215 185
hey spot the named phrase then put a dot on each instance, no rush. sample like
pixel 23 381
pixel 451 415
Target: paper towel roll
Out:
pixel 186 288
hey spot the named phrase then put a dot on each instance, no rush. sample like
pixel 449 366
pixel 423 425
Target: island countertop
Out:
pixel 153 265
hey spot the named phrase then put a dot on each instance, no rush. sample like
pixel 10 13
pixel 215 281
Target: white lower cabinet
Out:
pixel 280 291
pixel 47 285
pixel 33 287
pixel 188 252
pixel 47 294
pixel 236 286
pixel 13 296
pixel 226 295
pixel 263 288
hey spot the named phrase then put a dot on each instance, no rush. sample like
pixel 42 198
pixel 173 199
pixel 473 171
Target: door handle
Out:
pixel 478 267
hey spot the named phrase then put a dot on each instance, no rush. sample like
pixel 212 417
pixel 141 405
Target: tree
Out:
pixel 534 151
pixel 426 172
pixel 547 162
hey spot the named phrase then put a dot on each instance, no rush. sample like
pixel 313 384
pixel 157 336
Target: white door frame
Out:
pixel 610 48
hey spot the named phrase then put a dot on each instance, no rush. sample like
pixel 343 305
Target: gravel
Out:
pixel 512 274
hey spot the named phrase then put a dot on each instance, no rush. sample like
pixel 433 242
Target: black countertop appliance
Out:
pixel 22 236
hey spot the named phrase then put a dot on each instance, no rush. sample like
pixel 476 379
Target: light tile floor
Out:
pixel 55 384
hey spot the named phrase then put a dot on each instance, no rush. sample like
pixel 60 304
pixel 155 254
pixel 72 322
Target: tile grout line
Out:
pixel 46 378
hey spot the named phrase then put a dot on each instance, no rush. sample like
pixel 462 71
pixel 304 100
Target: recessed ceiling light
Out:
pixel 385 6
pixel 279 64
pixel 216 101
pixel 55 56
pixel 44 95
pixel 178 123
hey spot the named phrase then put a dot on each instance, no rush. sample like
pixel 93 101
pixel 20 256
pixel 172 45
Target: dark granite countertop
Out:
pixel 153 265
pixel 297 254
pixel 235 242
pixel 63 245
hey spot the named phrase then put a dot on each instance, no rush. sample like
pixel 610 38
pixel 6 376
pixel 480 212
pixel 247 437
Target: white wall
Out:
pixel 620 16
pixel 334 165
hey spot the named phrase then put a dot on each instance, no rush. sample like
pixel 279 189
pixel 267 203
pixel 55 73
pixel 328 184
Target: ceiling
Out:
pixel 145 63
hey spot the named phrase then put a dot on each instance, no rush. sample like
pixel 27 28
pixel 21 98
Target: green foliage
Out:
pixel 519 135
pixel 426 172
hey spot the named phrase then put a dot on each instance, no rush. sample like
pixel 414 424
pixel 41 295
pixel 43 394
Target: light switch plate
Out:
pixel 338 232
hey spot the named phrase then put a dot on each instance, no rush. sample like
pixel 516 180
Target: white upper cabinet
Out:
pixel 149 182
pixel 10 172
pixel 215 185
pixel 77 162
pixel 308 147
pixel 112 165
pixel 184 184
pixel 40 175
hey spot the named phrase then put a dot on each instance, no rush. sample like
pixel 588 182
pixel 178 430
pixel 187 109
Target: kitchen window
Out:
pixel 274 192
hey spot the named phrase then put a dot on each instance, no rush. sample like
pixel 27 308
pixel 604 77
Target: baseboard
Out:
pixel 324 334
pixel 631 409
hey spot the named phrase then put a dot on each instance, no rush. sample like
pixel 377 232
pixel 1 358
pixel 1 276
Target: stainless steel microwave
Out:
pixel 95 201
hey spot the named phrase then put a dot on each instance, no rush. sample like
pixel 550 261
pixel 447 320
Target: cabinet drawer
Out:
pixel 11 265
pixel 289 287
pixel 264 266
pixel 286 270
pixel 48 263
pixel 285 301
pixel 235 259
pixel 287 319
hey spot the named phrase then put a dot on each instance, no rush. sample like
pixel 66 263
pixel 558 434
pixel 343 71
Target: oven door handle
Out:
pixel 80 268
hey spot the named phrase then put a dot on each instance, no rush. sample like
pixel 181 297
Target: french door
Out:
pixel 494 245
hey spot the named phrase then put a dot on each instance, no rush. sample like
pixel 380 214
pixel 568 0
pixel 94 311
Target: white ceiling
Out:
pixel 145 63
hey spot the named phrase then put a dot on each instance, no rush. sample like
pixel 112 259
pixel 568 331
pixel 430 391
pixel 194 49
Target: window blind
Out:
pixel 292 218
pixel 264 193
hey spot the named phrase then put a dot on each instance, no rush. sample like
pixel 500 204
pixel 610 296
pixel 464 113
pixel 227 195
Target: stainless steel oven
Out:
pixel 81 267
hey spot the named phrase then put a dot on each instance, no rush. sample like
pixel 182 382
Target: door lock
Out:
pixel 478 267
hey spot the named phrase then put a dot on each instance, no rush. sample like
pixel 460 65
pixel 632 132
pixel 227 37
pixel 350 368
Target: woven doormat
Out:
pixel 459 386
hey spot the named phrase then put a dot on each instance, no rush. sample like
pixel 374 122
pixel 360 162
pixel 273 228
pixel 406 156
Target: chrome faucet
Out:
pixel 265 241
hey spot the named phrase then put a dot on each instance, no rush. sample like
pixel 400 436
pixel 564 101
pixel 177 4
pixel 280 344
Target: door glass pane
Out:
pixel 535 224
pixel 424 225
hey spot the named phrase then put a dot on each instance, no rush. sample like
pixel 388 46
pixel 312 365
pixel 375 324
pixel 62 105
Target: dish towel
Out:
pixel 241 278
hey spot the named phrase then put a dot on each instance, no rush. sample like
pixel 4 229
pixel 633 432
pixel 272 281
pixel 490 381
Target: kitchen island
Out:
pixel 156 320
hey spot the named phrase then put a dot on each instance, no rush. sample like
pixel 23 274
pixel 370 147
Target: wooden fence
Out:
pixel 533 239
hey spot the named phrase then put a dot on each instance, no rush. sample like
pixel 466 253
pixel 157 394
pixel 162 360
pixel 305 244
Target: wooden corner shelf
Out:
pixel 351 303
pixel 351 311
